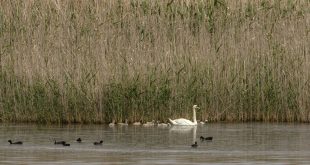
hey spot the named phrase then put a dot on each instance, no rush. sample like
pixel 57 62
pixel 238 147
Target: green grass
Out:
pixel 98 61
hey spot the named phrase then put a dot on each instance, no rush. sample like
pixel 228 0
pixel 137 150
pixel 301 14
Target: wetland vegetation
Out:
pixel 97 61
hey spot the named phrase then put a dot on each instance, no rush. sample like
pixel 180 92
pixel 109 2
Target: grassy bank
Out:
pixel 95 61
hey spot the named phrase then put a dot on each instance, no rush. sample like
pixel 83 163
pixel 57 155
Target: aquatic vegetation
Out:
pixel 103 61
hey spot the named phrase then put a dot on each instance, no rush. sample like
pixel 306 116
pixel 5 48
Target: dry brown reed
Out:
pixel 76 61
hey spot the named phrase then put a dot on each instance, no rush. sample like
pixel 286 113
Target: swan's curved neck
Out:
pixel 194 116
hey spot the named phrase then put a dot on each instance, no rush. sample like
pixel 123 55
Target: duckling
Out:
pixel 79 140
pixel 136 123
pixel 98 143
pixel 59 142
pixel 195 145
pixel 18 142
pixel 65 144
pixel 112 124
pixel 149 124
pixel 203 122
pixel 162 124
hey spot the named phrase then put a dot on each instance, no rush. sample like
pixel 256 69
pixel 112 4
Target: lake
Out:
pixel 241 143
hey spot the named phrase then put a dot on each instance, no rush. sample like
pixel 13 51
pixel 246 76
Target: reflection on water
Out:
pixel 251 143
pixel 185 130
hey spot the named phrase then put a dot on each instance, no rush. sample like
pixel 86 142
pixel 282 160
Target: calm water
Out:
pixel 251 143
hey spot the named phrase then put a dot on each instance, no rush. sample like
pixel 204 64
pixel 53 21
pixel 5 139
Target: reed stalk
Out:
pixel 97 61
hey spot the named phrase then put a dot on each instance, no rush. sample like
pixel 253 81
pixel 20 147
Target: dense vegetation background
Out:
pixel 98 60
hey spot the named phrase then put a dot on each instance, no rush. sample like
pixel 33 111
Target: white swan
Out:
pixel 185 122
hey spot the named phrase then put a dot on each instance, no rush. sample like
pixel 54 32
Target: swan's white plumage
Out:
pixel 182 121
pixel 186 122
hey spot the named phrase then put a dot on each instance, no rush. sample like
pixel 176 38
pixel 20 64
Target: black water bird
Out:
pixel 65 144
pixel 59 142
pixel 79 140
pixel 202 138
pixel 206 138
pixel 195 145
pixel 209 138
pixel 18 142
pixel 98 143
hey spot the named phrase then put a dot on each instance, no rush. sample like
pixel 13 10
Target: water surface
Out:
pixel 249 143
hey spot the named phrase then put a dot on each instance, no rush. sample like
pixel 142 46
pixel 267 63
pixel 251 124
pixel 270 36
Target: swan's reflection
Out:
pixel 184 129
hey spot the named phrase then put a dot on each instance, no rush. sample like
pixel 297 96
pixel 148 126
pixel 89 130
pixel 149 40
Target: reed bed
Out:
pixel 76 61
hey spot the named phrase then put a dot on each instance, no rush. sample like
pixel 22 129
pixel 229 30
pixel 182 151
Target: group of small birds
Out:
pixel 210 138
pixel 64 143
pixel 79 140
